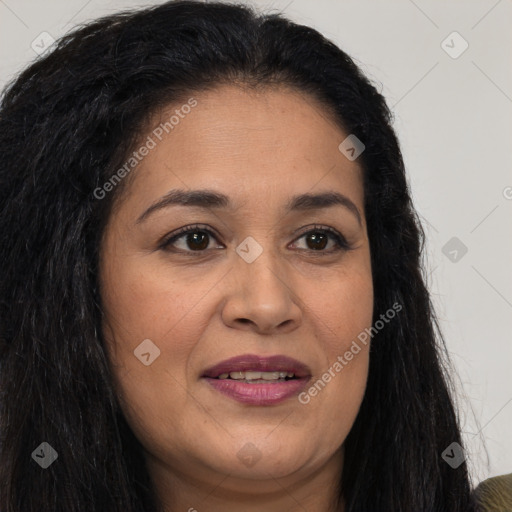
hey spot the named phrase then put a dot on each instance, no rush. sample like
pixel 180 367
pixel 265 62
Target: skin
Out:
pixel 199 308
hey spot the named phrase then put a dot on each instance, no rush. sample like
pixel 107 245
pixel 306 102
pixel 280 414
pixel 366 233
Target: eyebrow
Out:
pixel 210 199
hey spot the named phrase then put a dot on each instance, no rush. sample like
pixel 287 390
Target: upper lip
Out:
pixel 253 362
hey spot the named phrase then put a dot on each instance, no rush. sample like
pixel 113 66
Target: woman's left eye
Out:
pixel 318 238
pixel 197 239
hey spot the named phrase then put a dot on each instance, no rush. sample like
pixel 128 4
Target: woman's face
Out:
pixel 248 281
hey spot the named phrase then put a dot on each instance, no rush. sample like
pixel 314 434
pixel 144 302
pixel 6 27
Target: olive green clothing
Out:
pixel 495 494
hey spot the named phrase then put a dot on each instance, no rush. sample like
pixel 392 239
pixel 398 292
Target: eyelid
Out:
pixel 341 242
pixel 340 239
pixel 167 239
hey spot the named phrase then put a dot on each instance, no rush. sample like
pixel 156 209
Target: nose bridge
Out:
pixel 262 292
pixel 259 264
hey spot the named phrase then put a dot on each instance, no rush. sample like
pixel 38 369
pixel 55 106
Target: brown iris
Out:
pixel 319 240
pixel 200 238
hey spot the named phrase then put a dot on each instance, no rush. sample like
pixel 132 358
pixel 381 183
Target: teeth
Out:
pixel 255 376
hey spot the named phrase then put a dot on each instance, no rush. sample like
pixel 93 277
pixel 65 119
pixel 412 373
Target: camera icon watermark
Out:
pixel 147 352
pixel 45 455
pixel 249 454
pixel 454 249
pixel 454 45
pixel 249 250
pixel 351 147
pixel 42 43
pixel 453 455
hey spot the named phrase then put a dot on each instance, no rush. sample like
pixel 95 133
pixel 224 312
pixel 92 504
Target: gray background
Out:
pixel 453 117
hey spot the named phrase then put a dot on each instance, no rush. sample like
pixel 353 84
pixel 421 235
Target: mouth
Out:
pixel 257 377
pixel 252 367
pixel 257 380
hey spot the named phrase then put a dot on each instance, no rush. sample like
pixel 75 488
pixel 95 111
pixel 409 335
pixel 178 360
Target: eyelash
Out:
pixel 342 244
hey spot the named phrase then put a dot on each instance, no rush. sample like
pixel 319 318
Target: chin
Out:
pixel 258 460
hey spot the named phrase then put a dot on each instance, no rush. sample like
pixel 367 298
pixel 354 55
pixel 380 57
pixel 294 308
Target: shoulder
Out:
pixel 495 494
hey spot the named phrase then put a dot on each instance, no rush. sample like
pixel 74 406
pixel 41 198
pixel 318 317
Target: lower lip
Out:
pixel 261 393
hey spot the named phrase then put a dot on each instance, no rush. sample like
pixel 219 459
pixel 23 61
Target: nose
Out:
pixel 261 297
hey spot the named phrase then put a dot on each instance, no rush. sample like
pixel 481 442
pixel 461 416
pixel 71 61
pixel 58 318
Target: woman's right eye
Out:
pixel 191 238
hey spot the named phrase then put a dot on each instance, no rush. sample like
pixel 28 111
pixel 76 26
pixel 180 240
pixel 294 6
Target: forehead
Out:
pixel 256 145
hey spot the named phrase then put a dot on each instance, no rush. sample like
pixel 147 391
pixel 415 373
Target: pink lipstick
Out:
pixel 258 380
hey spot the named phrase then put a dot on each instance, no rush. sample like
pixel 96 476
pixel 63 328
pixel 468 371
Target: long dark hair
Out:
pixel 66 124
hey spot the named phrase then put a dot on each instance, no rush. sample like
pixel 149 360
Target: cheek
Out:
pixel 344 312
pixel 349 354
pixel 143 301
pixel 345 309
pixel 141 305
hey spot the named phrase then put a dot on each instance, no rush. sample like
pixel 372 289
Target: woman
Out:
pixel 212 296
